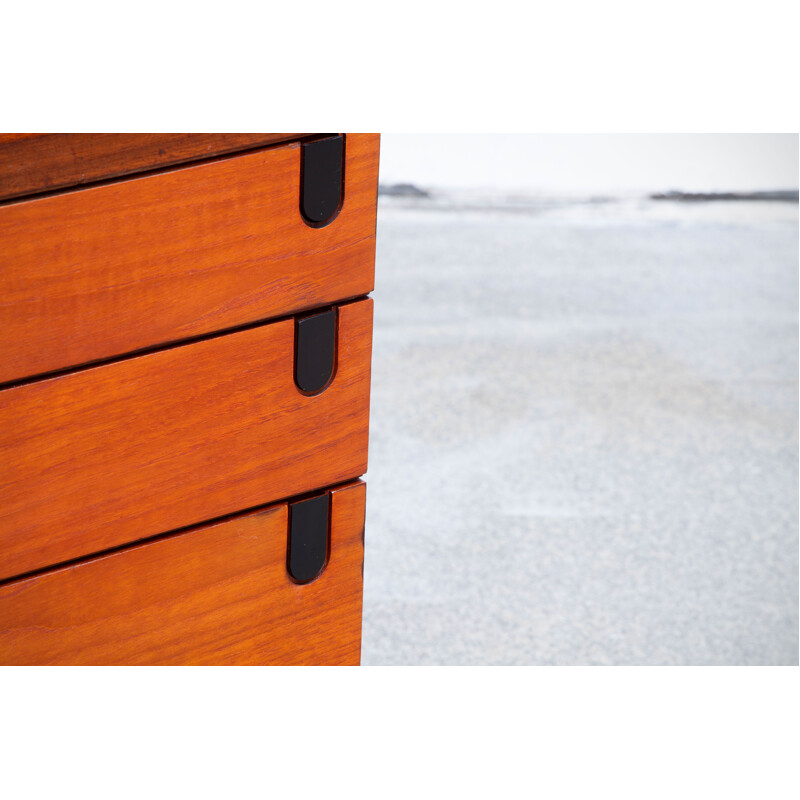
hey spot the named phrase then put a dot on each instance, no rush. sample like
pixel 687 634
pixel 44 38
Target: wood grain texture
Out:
pixel 42 162
pixel 99 458
pixel 92 274
pixel 219 594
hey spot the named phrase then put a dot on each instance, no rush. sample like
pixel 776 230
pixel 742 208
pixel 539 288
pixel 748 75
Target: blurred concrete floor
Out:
pixel 583 442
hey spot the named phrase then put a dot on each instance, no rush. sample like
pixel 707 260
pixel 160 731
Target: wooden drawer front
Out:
pixel 105 456
pixel 103 271
pixel 218 594
pixel 40 162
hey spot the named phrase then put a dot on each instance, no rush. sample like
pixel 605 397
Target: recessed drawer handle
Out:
pixel 322 180
pixel 315 351
pixel 308 538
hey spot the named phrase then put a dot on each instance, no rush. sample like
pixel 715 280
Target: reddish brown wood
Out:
pixel 41 162
pixel 107 270
pixel 101 457
pixel 219 594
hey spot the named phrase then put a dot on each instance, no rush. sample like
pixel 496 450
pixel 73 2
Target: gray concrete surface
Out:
pixel 584 438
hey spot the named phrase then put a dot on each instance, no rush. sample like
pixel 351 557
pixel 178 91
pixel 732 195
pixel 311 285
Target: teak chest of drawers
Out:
pixel 185 346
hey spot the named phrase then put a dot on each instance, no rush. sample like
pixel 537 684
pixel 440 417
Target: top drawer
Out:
pixel 31 163
pixel 98 272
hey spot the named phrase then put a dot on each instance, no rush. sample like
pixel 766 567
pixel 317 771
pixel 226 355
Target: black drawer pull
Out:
pixel 322 180
pixel 315 351
pixel 308 538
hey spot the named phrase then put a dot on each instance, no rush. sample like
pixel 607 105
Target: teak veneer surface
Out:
pixel 219 594
pixel 41 162
pixel 107 270
pixel 104 456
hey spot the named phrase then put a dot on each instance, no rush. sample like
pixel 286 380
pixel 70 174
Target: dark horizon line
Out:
pixel 408 189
